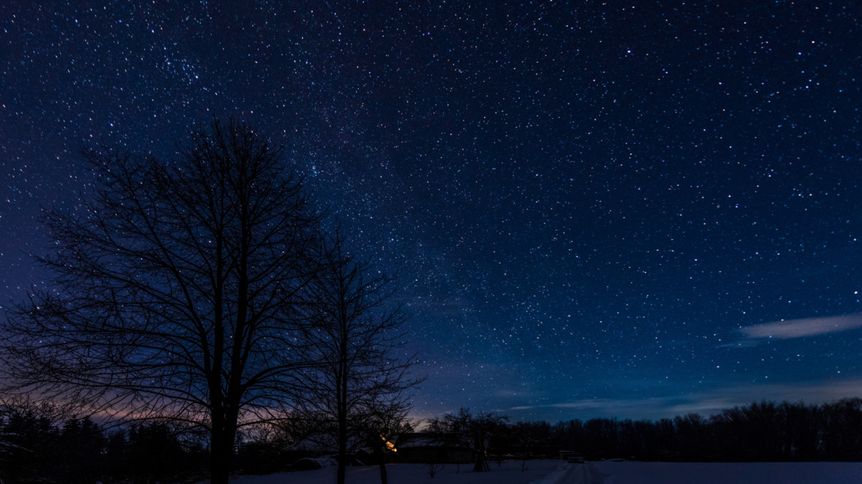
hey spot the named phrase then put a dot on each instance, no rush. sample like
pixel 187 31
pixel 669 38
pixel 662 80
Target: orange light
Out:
pixel 389 445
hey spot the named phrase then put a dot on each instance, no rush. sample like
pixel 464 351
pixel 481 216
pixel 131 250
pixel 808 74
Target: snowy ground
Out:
pixel 721 473
pixel 557 472
pixel 509 473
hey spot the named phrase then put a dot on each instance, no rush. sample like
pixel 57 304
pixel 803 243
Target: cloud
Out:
pixel 801 328
pixel 599 407
pixel 705 403
pixel 596 404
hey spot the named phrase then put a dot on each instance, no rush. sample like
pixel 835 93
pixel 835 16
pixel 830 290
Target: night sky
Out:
pixel 598 208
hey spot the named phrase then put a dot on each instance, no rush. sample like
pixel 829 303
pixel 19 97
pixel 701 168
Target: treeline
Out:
pixel 758 432
pixel 37 445
pixel 43 443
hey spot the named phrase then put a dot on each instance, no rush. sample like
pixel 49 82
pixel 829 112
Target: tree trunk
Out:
pixel 220 454
pixel 342 449
pixel 384 477
pixel 481 464
pixel 342 383
pixel 221 449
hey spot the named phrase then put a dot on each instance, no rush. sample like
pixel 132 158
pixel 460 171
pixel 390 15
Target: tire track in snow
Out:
pixel 574 474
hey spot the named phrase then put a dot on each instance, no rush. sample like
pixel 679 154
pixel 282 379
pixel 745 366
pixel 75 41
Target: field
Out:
pixel 557 472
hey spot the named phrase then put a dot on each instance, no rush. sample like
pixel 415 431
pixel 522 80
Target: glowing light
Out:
pixel 389 445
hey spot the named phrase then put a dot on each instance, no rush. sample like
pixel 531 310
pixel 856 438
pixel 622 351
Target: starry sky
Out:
pixel 592 208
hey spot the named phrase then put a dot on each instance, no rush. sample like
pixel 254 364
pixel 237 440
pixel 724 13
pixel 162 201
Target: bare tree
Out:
pixel 473 430
pixel 177 291
pixel 355 335
pixel 381 420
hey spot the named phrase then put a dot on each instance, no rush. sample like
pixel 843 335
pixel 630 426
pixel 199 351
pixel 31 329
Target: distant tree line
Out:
pixel 763 431
pixel 41 442
pixel 39 445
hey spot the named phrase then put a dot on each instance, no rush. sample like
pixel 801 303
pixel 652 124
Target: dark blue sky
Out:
pixel 592 210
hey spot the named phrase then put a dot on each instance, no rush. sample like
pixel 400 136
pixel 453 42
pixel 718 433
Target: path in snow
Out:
pixel 574 474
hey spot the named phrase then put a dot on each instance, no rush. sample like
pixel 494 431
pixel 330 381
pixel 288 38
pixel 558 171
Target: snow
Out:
pixel 509 473
pixel 722 473
pixel 558 472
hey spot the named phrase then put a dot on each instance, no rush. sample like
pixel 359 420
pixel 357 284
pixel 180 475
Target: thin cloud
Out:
pixel 597 405
pixel 801 328
pixel 704 403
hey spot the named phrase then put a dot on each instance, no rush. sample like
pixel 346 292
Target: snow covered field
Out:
pixel 509 473
pixel 557 472
pixel 721 473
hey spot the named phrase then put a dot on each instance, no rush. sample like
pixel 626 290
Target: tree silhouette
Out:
pixel 176 292
pixel 354 335
pixel 474 431
pixel 380 421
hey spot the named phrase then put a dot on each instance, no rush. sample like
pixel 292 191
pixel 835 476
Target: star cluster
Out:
pixel 581 202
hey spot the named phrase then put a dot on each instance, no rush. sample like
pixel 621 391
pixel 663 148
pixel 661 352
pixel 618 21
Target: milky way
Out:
pixel 596 209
